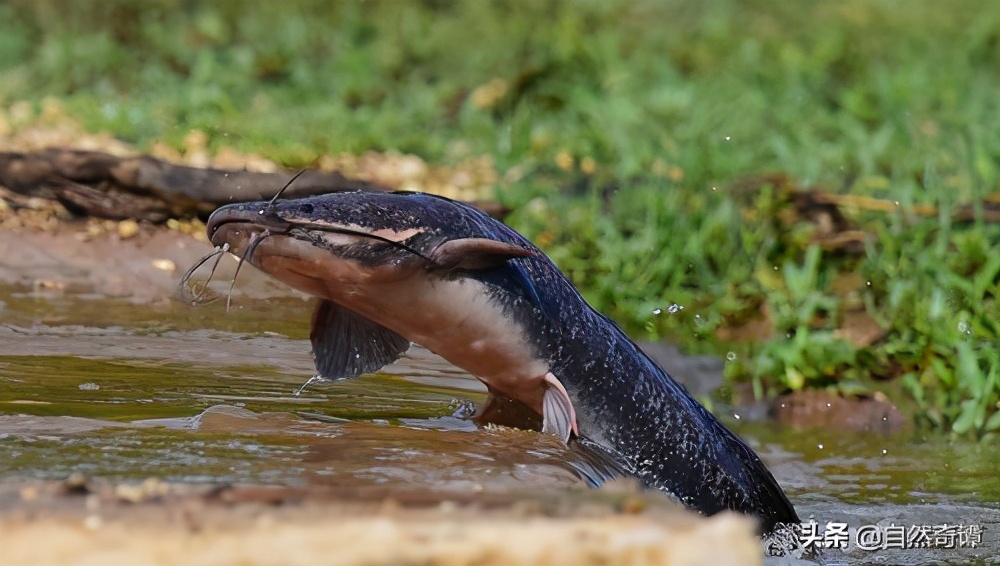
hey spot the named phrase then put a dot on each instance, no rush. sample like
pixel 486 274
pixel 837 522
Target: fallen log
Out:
pixel 99 184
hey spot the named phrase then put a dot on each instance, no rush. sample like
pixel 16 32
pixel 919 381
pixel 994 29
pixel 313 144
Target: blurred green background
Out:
pixel 631 139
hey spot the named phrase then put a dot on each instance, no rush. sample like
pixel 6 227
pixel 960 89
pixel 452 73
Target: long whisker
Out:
pixel 270 203
pixel 257 239
pixel 185 288
pixel 221 252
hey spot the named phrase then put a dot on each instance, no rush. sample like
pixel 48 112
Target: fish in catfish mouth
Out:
pixel 395 268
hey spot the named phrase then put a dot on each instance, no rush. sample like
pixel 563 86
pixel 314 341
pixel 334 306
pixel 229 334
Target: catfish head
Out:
pixel 329 245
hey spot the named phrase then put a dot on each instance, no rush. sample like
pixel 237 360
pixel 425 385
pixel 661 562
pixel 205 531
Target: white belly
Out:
pixel 458 321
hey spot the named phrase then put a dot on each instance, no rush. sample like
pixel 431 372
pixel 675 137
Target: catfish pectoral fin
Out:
pixel 499 409
pixel 346 344
pixel 558 415
pixel 475 253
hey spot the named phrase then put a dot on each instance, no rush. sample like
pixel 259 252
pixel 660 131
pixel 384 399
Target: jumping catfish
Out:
pixel 394 268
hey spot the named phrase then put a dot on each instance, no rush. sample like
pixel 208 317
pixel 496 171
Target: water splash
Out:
pixel 298 392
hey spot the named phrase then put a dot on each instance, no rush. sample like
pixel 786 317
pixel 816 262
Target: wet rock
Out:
pixel 812 408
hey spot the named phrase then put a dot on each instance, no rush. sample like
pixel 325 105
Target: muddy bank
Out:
pixel 155 523
pixel 138 261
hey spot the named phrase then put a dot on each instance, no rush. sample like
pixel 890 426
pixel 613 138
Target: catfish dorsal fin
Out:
pixel 475 253
pixel 346 344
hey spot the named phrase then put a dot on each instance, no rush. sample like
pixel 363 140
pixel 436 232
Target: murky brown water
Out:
pixel 118 390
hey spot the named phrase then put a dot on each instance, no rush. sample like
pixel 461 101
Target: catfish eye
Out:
pixel 306 209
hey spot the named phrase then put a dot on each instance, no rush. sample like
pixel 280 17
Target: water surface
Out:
pixel 124 391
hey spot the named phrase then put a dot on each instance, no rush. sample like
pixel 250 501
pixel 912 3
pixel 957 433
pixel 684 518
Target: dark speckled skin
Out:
pixel 627 407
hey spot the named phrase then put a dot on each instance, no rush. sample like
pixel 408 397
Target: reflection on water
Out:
pixel 115 390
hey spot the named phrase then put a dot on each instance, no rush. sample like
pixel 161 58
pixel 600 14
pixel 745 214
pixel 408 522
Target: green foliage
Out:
pixel 671 102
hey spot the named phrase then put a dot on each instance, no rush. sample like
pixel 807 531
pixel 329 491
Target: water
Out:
pixel 124 391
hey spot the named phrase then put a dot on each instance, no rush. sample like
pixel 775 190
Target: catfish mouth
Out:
pixel 235 229
pixel 241 224
pixel 289 251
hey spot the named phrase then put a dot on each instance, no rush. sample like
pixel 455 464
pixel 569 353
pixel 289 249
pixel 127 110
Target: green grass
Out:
pixel 673 103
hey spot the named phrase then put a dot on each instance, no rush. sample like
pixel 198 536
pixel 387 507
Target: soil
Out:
pixel 158 524
pixel 136 260
pixel 813 408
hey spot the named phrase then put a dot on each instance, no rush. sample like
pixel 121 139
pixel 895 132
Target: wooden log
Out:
pixel 99 184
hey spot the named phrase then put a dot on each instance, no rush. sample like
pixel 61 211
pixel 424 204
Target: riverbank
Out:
pixel 154 524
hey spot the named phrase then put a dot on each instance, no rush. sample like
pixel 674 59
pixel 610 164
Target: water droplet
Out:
pixel 731 356
pixel 675 308
pixel 736 416
pixel 884 451
pixel 964 327
pixel 869 283
pixel 357 356
pixel 657 311
pixel 261 211
pixel 727 138
pixel 820 446
pixel 715 188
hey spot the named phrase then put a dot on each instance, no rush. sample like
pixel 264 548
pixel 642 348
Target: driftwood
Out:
pixel 99 184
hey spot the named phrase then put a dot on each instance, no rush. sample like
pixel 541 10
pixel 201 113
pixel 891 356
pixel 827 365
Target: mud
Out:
pixel 144 267
pixel 154 523
pixel 820 409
